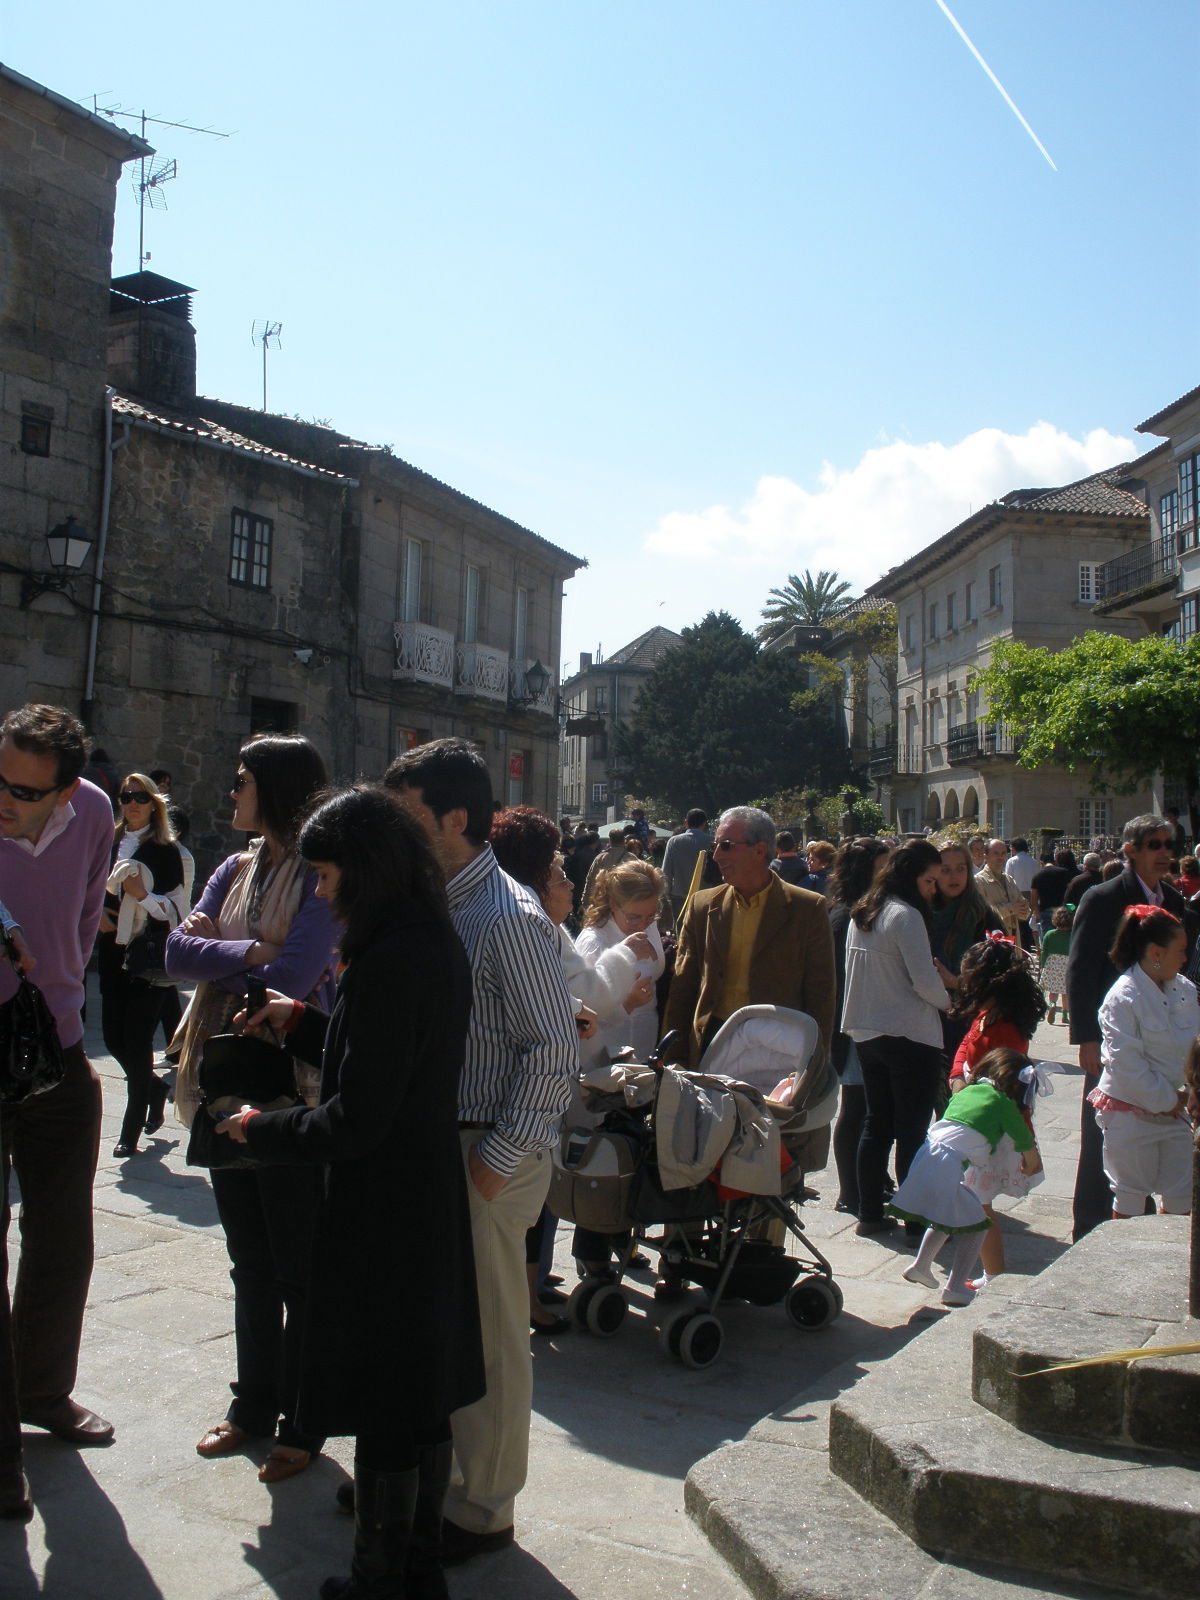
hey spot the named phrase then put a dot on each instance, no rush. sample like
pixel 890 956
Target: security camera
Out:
pixel 302 656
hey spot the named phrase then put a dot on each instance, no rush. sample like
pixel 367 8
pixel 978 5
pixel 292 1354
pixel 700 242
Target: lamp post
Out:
pixel 67 548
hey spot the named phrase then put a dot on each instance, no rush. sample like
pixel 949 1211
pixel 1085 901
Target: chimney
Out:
pixel 585 660
pixel 151 340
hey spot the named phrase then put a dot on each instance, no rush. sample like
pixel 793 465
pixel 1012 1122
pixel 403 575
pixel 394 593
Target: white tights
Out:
pixel 966 1255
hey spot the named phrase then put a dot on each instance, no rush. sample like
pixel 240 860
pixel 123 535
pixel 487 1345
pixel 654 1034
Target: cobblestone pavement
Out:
pixel 617 1424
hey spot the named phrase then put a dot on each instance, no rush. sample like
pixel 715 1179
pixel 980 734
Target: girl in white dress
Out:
pixel 622 909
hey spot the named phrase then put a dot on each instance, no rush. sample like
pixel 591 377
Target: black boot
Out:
pixel 384 1505
pixel 425 1579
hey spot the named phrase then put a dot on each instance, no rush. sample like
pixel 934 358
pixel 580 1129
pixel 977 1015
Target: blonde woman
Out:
pixel 146 881
pixel 622 908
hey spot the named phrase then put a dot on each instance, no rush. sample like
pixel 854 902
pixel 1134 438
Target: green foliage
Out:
pixel 789 808
pixel 1129 708
pixel 715 723
pixel 803 599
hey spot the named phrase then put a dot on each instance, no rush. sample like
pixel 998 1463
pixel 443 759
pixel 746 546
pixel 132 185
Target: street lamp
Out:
pixel 537 681
pixel 67 548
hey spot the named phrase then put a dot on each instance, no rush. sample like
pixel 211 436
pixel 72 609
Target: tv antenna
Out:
pixel 266 333
pixel 151 176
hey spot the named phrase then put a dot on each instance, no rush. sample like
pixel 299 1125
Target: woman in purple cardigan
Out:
pixel 259 919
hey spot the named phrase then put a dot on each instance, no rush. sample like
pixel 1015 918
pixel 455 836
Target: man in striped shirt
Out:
pixel 522 1053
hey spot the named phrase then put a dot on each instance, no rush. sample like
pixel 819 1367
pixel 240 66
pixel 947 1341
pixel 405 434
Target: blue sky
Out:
pixel 706 293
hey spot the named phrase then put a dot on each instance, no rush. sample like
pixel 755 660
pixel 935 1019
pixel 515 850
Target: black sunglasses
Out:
pixel 22 791
pixel 135 797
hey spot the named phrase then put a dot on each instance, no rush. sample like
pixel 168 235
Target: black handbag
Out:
pixel 31 1057
pixel 146 954
pixel 236 1070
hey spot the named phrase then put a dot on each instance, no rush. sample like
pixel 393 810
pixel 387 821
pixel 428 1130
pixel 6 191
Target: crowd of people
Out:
pixel 436 971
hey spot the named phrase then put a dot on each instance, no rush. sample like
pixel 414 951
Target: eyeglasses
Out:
pixel 240 782
pixel 729 844
pixel 1155 844
pixel 26 795
pixel 134 797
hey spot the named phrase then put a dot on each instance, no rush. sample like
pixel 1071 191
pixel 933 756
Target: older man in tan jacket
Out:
pixel 754 941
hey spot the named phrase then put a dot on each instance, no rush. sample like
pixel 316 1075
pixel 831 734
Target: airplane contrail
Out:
pixel 1008 99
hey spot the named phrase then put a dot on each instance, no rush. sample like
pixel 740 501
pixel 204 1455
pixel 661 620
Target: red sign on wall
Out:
pixel 516 764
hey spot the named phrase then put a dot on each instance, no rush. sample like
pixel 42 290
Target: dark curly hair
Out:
pixel 525 842
pixel 854 867
pixel 996 982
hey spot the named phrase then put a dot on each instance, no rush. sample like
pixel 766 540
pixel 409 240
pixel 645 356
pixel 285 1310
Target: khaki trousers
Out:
pixel 491 1437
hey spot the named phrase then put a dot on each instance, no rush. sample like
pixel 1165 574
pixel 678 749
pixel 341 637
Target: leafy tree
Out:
pixel 803 599
pixel 715 724
pixel 1129 708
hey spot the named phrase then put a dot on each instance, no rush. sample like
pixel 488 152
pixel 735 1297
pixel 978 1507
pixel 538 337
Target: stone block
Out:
pixel 1162 1397
pixel 1088 1403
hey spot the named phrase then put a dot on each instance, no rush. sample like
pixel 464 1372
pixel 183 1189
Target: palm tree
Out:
pixel 803 600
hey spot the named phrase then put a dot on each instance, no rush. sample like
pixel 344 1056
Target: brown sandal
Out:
pixel 221 1440
pixel 284 1461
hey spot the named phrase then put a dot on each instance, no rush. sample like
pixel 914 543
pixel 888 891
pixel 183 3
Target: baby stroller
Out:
pixel 747 1155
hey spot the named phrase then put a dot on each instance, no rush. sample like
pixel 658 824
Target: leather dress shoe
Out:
pixel 278 1467
pixel 555 1325
pixel 223 1439
pixel 15 1504
pixel 123 1151
pixel 459 1544
pixel 70 1421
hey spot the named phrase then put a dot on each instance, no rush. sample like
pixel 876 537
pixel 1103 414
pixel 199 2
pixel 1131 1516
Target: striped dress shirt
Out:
pixel 522 1046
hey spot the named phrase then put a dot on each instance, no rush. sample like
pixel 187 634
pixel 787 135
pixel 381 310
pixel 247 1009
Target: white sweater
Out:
pixel 1145 1034
pixel 892 985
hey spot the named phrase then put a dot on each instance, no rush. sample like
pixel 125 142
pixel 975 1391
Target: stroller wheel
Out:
pixel 598 1307
pixel 813 1302
pixel 693 1337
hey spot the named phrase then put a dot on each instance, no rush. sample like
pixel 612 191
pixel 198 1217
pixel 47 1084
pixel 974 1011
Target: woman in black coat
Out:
pixel 130 1006
pixel 391 1344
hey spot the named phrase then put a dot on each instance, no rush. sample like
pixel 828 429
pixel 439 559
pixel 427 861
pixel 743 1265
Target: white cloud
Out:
pixel 898 497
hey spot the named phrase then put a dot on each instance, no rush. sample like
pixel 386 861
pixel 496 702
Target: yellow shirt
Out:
pixel 743 931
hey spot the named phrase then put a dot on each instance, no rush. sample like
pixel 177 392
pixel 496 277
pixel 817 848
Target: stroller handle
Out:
pixel 655 1059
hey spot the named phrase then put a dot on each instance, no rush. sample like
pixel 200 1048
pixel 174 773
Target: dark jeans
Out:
pixel 130 1010
pixel 901 1080
pixel 847 1133
pixel 52 1140
pixel 267 1214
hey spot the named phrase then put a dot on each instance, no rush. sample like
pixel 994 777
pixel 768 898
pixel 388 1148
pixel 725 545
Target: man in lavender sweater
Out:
pixel 56 834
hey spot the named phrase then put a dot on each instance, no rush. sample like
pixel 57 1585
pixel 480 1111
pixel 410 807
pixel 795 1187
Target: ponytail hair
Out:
pixel 1138 929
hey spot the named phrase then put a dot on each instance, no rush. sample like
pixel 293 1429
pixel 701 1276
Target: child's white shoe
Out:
pixel 957 1297
pixel 981 1282
pixel 919 1274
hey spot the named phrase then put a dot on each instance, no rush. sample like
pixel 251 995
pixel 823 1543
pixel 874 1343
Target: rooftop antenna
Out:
pixel 265 333
pixel 150 179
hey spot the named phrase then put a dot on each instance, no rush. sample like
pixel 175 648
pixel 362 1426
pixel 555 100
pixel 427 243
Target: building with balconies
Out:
pixel 241 571
pixel 1022 568
pixel 595 699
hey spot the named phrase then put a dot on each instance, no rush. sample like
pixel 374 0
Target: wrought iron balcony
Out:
pixel 424 654
pixel 480 670
pixel 882 760
pixel 979 741
pixel 1151 565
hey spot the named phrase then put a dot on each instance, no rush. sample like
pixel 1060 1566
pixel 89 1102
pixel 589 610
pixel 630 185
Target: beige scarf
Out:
pixel 260 903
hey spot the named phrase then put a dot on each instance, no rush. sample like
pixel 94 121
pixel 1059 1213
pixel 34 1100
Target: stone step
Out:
pixel 957 1478
pixel 808 1536
pixel 1122 1287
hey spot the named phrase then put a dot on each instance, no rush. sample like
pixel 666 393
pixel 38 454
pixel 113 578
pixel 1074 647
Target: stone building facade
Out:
pixel 248 571
pixel 59 167
pixel 595 699
pixel 1022 568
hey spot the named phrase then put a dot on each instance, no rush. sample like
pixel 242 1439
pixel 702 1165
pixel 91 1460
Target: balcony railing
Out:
pixel 480 670
pixel 882 760
pixel 979 741
pixel 424 654
pixel 1137 569
pixel 518 690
